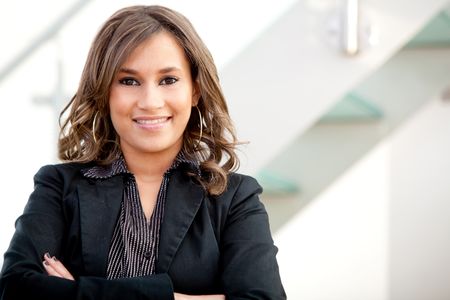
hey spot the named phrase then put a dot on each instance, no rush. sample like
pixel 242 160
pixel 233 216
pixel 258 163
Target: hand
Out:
pixel 178 296
pixel 54 267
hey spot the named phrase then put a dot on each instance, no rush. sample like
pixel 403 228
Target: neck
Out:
pixel 148 166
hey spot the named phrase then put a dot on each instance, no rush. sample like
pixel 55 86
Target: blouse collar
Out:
pixel 119 166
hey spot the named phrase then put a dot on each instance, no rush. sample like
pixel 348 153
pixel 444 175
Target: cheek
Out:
pixel 119 103
pixel 113 112
pixel 115 123
pixel 180 102
pixel 184 110
pixel 117 111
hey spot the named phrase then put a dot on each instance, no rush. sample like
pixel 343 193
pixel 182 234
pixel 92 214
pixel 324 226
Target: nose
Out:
pixel 150 98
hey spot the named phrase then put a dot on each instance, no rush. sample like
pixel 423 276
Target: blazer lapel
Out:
pixel 99 208
pixel 182 203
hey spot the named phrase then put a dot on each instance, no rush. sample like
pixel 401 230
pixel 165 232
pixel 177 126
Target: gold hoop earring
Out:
pixel 94 123
pixel 200 117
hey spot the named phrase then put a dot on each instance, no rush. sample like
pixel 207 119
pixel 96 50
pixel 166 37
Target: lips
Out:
pixel 151 121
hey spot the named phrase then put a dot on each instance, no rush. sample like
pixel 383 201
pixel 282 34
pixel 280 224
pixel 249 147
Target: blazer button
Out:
pixel 147 254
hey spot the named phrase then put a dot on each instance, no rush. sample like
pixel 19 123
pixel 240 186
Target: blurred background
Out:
pixel 346 105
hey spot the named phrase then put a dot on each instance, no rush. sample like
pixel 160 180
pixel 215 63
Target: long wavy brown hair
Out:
pixel 87 133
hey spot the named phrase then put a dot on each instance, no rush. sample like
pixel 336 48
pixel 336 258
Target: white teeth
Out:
pixel 149 122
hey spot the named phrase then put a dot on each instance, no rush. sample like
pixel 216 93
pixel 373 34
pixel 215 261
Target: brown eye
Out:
pixel 168 81
pixel 129 81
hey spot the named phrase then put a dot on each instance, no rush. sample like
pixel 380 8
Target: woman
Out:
pixel 146 205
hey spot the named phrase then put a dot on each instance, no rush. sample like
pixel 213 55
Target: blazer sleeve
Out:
pixel 41 228
pixel 250 269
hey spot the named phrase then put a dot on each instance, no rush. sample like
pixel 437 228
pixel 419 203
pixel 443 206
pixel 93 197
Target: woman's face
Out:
pixel 151 97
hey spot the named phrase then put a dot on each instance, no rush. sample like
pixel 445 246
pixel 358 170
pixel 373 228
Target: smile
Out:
pixel 151 121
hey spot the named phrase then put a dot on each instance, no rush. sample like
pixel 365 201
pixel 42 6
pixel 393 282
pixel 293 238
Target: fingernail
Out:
pixel 54 258
pixel 45 263
pixel 47 255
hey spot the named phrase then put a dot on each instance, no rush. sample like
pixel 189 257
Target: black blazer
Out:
pixel 207 244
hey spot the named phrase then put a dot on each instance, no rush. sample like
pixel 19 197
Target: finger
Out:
pixel 58 266
pixel 50 270
pixel 213 297
pixel 199 297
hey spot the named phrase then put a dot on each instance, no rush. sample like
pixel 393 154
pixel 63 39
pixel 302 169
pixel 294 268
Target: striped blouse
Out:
pixel 134 245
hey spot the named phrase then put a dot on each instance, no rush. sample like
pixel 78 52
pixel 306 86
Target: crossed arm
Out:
pixel 54 267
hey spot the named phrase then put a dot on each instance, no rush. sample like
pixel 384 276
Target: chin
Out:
pixel 152 149
pixel 156 148
pixel 153 145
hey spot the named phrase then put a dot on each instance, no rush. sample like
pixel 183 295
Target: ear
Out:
pixel 195 93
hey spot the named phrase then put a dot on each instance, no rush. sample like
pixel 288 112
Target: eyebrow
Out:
pixel 127 71
pixel 169 69
pixel 161 71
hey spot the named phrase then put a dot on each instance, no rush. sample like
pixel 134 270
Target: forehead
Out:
pixel 159 50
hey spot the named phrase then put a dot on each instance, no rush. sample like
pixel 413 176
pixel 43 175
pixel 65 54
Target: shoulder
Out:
pixel 61 169
pixel 242 194
pixel 241 185
pixel 61 174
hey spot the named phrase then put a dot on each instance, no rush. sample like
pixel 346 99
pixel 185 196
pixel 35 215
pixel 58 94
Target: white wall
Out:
pixel 420 206
pixel 381 230
pixel 336 247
